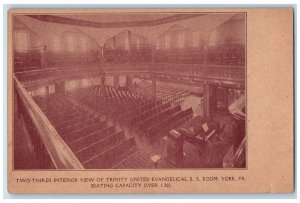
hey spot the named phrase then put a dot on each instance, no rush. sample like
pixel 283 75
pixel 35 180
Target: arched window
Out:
pixel 213 38
pixel 157 44
pixel 70 43
pixel 138 43
pixel 167 41
pixel 196 39
pixel 180 39
pixel 82 45
pixel 56 43
pixel 126 43
pixel 22 41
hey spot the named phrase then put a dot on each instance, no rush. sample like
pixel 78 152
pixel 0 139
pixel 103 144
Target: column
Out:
pixel 44 57
pixel 205 55
pixel 116 81
pixel 128 82
pixel 102 87
pixel 206 101
pixel 152 53
pixel 205 51
pixel 47 91
pixel 154 88
pixel 60 87
pixel 226 96
pixel 101 54
pixel 114 42
pixel 129 41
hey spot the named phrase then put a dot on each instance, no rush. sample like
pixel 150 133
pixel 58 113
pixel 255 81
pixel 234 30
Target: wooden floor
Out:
pixel 210 157
pixel 140 157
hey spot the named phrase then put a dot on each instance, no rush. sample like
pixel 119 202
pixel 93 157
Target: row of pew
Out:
pixel 132 110
pixel 165 94
pixel 94 141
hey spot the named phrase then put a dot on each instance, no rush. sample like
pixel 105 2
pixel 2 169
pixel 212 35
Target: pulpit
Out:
pixel 175 147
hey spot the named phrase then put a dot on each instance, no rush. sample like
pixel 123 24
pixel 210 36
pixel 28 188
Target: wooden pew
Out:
pixel 71 136
pixel 112 156
pixel 99 146
pixel 79 125
pixel 80 141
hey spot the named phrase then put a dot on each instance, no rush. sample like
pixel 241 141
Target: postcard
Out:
pixel 150 101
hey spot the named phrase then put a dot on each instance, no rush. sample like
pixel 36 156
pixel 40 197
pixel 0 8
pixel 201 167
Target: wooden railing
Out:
pixel 126 67
pixel 33 76
pixel 47 143
pixel 192 71
pixel 57 73
pixel 201 70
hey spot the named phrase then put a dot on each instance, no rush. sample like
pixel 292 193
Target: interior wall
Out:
pixel 121 40
pixel 204 25
pixel 231 31
pixel 32 38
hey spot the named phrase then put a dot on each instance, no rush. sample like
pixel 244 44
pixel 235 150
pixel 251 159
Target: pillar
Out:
pixel 116 81
pixel 60 87
pixel 101 54
pixel 114 42
pixel 44 57
pixel 128 82
pixel 205 54
pixel 47 91
pixel 205 46
pixel 226 96
pixel 206 100
pixel 154 88
pixel 102 87
pixel 152 53
pixel 129 41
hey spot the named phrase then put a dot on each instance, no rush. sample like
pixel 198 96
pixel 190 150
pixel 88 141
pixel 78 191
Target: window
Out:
pixel 82 43
pixel 56 43
pixel 180 42
pixel 70 43
pixel 213 38
pixel 167 41
pixel 196 39
pixel 157 44
pixel 21 41
pixel 126 41
pixel 138 43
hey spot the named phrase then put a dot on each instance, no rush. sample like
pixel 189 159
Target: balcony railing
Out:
pixel 49 147
pixel 192 71
pixel 55 74
pixel 202 71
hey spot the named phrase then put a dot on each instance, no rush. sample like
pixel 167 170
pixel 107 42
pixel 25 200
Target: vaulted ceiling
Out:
pixel 110 20
pixel 105 25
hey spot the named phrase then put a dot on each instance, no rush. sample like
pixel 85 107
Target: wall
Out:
pixel 121 40
pixel 32 38
pixel 232 31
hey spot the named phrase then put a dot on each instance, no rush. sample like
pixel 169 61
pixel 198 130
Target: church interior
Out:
pixel 123 90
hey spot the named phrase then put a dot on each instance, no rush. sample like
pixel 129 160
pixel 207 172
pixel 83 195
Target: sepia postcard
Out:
pixel 150 101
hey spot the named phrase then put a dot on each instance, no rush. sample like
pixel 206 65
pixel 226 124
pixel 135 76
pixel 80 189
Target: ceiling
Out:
pixel 116 20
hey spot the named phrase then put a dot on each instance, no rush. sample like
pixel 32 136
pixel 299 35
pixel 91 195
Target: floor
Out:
pixel 210 157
